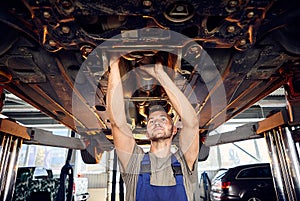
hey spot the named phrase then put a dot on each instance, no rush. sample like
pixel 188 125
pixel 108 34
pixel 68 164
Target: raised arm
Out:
pixel 189 134
pixel 122 135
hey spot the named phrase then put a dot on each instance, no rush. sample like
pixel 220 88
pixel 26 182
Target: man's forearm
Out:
pixel 115 100
pixel 178 99
pixel 189 134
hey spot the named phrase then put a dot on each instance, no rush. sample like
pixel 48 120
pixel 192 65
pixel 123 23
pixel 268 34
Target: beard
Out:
pixel 161 135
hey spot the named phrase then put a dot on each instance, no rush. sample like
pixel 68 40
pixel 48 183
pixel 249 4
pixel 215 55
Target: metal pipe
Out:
pixel 121 189
pixel 285 163
pixel 110 159
pixel 294 163
pixel 9 152
pixel 114 177
pixel 4 161
pixel 278 133
pixel 2 142
pixel 276 171
pixel 12 168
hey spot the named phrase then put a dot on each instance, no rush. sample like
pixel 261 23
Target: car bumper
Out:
pixel 219 197
pixel 81 197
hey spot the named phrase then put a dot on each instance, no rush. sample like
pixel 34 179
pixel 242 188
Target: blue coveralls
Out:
pixel 147 192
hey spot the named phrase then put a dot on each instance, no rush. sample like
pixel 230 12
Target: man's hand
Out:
pixel 152 70
pixel 114 57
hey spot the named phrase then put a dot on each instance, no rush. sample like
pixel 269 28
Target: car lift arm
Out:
pixel 42 137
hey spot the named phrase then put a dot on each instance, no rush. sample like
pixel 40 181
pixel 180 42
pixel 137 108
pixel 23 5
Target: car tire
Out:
pixel 203 152
pixel 92 154
pixel 253 197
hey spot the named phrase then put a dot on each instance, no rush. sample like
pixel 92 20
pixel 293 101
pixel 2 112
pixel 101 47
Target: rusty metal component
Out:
pixel 5 76
pixel 51 40
pixel 293 97
pixel 13 128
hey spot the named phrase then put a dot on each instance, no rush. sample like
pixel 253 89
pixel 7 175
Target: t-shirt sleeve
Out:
pixel 190 174
pixel 133 166
pixel 131 173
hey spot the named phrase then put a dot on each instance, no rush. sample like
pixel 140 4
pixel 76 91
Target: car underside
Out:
pixel 224 55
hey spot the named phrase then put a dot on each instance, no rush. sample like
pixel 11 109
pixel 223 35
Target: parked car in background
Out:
pixel 35 184
pixel 251 182
pixel 39 184
pixel 80 189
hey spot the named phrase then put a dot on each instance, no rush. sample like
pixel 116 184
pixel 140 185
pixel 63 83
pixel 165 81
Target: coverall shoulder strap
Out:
pixel 146 165
pixel 176 166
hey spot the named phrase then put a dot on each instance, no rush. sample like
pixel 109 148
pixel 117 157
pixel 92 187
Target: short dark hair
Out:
pixel 155 108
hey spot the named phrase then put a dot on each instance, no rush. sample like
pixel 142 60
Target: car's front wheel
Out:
pixel 253 197
pixel 92 154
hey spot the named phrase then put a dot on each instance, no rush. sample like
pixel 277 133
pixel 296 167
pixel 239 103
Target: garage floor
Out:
pixel 97 194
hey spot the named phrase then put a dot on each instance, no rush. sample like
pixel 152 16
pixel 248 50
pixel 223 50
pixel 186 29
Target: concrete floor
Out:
pixel 97 194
